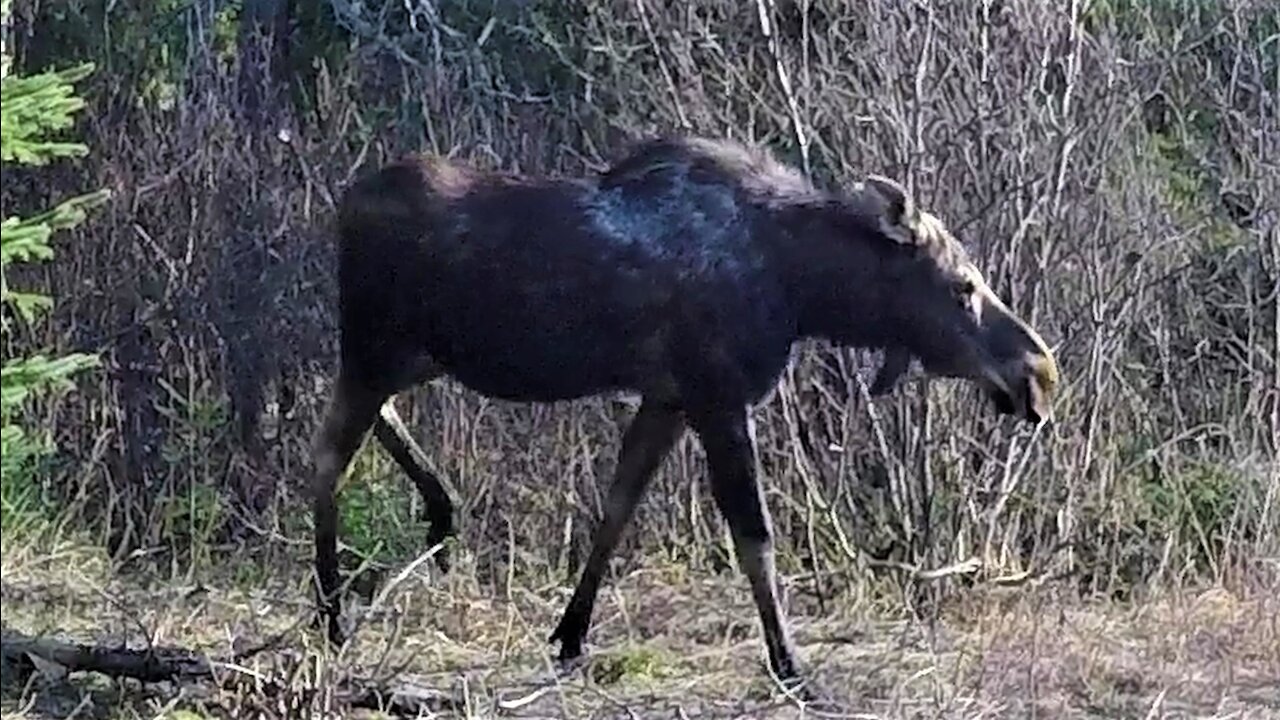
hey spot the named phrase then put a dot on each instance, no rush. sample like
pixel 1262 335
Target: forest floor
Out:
pixel 666 644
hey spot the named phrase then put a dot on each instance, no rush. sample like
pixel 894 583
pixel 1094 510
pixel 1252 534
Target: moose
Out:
pixel 685 272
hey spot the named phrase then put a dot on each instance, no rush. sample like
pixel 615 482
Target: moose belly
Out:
pixel 525 359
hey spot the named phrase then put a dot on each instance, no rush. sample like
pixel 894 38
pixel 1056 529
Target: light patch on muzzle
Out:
pixel 1030 396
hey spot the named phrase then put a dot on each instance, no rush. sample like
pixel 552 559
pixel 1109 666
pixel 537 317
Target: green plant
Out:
pixel 193 519
pixel 633 663
pixel 33 110
pixel 375 510
pixel 1197 502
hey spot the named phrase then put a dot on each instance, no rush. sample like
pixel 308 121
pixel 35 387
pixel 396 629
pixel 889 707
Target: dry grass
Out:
pixel 666 644
pixel 1024 124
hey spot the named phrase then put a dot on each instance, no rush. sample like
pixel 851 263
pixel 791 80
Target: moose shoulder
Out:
pixel 684 273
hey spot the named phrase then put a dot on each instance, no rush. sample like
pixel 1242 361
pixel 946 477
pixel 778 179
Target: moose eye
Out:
pixel 964 294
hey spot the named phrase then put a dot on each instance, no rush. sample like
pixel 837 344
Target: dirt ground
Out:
pixel 666 644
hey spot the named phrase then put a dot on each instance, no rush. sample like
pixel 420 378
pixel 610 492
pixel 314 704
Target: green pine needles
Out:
pixel 34 110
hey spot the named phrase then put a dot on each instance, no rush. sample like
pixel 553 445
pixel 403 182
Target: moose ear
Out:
pixel 900 209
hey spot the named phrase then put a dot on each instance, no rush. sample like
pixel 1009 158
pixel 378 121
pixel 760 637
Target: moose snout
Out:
pixel 1028 388
pixel 1041 387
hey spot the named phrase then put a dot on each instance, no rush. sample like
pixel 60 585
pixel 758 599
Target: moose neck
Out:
pixel 834 272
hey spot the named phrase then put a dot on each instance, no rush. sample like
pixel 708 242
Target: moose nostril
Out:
pixel 1036 400
pixel 1032 413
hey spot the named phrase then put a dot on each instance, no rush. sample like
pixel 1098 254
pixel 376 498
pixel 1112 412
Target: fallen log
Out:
pixel 56 658
pixel 49 655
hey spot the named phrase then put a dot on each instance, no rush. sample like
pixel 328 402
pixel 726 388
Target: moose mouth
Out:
pixel 1023 406
pixel 1018 397
pixel 1003 402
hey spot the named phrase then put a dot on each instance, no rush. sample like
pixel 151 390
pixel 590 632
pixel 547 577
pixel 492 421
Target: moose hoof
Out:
pixel 438 533
pixel 568 665
pixel 570 638
pixel 330 618
pixel 808 691
pixel 571 657
pixel 442 559
pixel 335 633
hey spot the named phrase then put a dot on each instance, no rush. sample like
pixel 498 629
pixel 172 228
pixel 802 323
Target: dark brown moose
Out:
pixel 684 273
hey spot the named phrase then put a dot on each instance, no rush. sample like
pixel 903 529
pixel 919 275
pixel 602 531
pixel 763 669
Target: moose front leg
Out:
pixel 652 433
pixel 731 460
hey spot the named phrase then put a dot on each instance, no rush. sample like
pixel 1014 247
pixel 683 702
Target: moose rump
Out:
pixel 487 279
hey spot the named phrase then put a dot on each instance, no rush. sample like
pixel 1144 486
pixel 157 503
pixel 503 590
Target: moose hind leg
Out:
pixel 351 410
pixel 647 440
pixel 731 460
pixel 391 431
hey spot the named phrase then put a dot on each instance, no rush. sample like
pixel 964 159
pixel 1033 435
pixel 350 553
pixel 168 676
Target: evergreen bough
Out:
pixel 34 110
